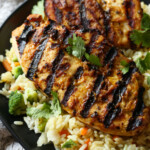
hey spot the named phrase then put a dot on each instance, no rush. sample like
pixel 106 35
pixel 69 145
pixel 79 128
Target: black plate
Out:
pixel 26 138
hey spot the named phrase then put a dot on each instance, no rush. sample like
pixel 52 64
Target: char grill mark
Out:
pixel 107 22
pixel 110 56
pixel 71 86
pixel 55 66
pixel 82 11
pixel 67 35
pixel 134 121
pixel 92 98
pixel 111 116
pixel 129 12
pixel 37 57
pixel 39 52
pixel 23 39
pixel 58 14
pixel 88 104
pixel 113 112
pixel 98 84
pixel 90 46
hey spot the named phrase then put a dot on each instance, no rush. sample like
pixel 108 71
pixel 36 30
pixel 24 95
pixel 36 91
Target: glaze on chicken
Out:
pixel 101 97
pixel 115 18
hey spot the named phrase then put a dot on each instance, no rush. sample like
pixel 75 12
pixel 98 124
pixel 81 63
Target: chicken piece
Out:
pixel 101 97
pixel 122 17
pixel 114 18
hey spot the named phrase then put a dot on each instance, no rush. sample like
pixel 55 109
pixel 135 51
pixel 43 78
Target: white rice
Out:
pixel 97 139
pixel 19 123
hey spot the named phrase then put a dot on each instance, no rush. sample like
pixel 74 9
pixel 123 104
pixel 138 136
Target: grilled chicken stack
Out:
pixel 102 97
pixel 119 17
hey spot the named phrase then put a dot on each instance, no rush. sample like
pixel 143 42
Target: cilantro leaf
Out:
pixel 77 46
pixel 142 37
pixel 148 80
pixel 77 49
pixel 143 64
pixel 140 65
pixel 69 144
pixel 39 8
pixel 125 65
pixel 93 59
pixel 145 24
pixel 47 109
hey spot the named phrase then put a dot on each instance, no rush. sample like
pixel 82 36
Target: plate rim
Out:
pixel 12 132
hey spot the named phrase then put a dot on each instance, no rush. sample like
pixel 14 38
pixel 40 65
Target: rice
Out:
pixel 19 123
pixel 93 140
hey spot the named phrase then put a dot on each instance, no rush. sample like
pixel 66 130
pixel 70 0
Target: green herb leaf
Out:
pixel 148 80
pixel 55 106
pixel 77 49
pixel 93 59
pixel 140 65
pixel 39 8
pixel 145 24
pixel 69 144
pixel 143 64
pixel 42 111
pixel 42 124
pixel 47 109
pixel 125 65
pixel 77 46
pixel 142 37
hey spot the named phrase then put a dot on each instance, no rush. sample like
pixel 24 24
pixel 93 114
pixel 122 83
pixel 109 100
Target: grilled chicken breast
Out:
pixel 102 98
pixel 115 18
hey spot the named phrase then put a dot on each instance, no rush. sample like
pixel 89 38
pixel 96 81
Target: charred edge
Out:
pixel 134 122
pixel 82 12
pixel 71 87
pixel 55 66
pixel 111 116
pixel 22 41
pixel 110 56
pixel 91 100
pixel 117 96
pixel 129 12
pixel 58 14
pixel 48 28
pixel 39 52
pixel 88 104
pixel 97 85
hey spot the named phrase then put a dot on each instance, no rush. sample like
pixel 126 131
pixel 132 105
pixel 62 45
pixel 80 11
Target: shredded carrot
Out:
pixel 7 65
pixel 114 137
pixel 64 132
pixel 87 143
pixel 17 64
pixel 84 131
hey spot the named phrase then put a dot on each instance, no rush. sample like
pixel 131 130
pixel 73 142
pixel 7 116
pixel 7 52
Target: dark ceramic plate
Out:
pixel 26 138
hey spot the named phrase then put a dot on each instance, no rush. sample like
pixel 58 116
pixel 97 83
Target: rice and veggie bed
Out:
pixel 46 117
